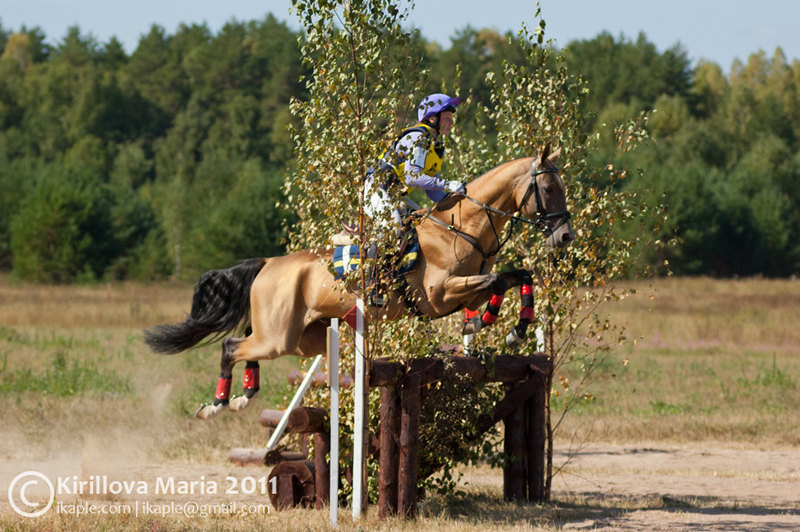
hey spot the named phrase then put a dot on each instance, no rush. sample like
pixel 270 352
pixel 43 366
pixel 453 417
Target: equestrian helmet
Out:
pixel 435 104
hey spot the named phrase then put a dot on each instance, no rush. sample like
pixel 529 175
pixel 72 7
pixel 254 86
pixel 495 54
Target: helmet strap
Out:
pixel 433 121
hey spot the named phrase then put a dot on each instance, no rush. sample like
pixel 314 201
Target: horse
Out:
pixel 284 303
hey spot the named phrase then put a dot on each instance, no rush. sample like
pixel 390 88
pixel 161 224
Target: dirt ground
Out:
pixel 612 487
pixel 701 489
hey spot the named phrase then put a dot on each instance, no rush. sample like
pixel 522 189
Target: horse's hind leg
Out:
pixel 250 385
pixel 222 397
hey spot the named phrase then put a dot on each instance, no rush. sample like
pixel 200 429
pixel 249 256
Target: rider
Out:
pixel 414 160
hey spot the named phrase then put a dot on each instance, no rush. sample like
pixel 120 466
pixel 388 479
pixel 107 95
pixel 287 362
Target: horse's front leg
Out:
pixel 476 289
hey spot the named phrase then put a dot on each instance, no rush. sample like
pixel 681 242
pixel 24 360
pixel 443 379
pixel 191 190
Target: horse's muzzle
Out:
pixel 561 237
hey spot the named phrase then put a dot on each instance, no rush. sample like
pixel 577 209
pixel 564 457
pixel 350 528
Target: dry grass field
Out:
pixel 700 429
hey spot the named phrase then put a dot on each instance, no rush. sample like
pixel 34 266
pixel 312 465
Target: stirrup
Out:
pixel 376 299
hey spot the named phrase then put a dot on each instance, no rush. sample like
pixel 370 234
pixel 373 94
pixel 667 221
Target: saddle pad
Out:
pixel 347 259
pixel 410 257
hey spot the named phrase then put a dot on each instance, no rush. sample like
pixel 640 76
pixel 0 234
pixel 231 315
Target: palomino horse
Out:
pixel 288 301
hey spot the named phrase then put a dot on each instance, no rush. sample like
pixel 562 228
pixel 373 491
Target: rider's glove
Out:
pixel 456 187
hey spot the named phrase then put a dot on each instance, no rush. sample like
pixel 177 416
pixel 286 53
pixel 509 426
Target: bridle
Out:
pixel 542 222
pixel 544 217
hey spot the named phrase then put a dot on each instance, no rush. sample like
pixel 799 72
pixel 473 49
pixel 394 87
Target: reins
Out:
pixel 541 223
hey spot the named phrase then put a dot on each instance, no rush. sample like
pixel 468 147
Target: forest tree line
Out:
pixel 170 161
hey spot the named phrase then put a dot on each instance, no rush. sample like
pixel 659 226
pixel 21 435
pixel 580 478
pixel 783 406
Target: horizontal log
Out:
pixel 318 379
pixel 511 368
pixel 270 418
pixel 383 372
pixel 470 367
pixel 276 456
pixel 429 369
pixel 504 368
pixel 242 456
pixel 307 419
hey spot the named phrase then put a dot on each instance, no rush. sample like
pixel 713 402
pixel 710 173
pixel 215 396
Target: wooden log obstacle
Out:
pixel 299 481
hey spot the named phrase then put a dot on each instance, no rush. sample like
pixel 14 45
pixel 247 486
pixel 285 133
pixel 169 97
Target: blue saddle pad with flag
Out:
pixel 347 259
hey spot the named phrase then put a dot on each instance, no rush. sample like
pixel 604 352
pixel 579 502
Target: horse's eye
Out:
pixel 548 189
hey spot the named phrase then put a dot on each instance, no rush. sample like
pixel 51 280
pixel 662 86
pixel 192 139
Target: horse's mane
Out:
pixel 490 174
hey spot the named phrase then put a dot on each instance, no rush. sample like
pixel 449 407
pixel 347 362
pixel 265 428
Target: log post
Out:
pixel 322 446
pixel 534 443
pixel 409 441
pixel 514 477
pixel 291 484
pixel 389 449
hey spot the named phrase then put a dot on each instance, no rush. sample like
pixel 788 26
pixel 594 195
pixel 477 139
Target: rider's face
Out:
pixel 445 122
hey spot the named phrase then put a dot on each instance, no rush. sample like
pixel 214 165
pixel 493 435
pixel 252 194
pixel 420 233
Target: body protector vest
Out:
pixel 428 154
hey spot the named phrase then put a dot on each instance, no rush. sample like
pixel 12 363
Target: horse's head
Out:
pixel 544 200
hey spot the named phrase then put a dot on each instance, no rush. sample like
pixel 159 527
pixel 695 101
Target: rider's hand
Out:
pixel 456 187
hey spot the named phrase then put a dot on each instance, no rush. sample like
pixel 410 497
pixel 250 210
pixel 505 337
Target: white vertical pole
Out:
pixel 359 416
pixel 333 382
pixel 539 333
pixel 467 341
pixel 467 337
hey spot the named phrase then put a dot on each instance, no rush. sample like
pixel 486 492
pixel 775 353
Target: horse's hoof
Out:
pixel 238 403
pixel 207 411
pixel 514 340
pixel 472 326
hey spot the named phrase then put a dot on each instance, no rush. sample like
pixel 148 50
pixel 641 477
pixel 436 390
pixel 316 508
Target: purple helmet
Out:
pixel 436 103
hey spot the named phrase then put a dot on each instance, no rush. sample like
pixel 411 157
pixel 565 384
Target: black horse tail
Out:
pixel 221 303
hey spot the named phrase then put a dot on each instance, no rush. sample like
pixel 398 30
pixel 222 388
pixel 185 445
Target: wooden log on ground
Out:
pixel 514 471
pixel 291 484
pixel 241 456
pixel 307 419
pixel 389 449
pixel 270 418
pixel 534 443
pixel 276 456
pixel 408 470
pixel 322 446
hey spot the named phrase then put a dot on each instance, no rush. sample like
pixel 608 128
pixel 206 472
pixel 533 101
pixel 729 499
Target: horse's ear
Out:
pixel 545 152
pixel 554 156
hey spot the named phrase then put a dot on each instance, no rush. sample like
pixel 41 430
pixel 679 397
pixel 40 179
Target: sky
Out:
pixel 719 31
